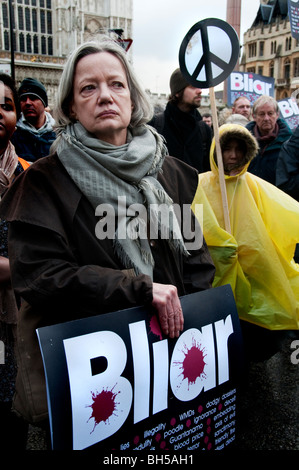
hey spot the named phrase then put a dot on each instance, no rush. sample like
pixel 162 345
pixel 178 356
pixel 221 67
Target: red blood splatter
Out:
pixel 155 326
pixel 103 406
pixel 193 365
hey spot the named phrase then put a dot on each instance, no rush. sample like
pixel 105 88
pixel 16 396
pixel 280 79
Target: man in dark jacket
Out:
pixel 271 132
pixel 187 136
pixel 34 134
pixel 287 171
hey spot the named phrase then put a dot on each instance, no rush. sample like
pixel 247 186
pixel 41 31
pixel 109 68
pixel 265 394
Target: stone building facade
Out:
pixel 46 31
pixel 270 50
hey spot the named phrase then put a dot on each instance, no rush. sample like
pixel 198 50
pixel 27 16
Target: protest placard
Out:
pixel 115 383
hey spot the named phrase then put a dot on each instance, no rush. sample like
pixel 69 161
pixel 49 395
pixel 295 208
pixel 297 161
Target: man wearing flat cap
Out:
pixel 187 136
pixel 34 134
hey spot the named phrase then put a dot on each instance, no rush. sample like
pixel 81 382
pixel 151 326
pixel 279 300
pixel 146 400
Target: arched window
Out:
pixel 28 44
pixel 22 42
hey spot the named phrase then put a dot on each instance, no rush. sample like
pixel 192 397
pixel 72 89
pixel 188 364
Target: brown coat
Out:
pixel 63 272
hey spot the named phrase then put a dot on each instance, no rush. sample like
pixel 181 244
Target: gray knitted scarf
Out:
pixel 120 177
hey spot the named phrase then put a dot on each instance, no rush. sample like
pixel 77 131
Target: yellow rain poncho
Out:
pixel 256 259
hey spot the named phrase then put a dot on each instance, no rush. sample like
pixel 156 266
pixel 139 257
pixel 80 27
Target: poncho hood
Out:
pixel 236 131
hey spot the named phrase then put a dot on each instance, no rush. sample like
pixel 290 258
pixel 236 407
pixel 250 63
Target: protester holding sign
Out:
pixel 81 243
pixel 271 132
pixel 256 259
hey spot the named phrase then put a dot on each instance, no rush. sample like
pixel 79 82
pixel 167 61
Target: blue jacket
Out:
pixel 31 146
pixel 264 164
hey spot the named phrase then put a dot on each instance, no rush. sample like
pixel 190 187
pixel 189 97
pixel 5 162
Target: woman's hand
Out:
pixel 168 306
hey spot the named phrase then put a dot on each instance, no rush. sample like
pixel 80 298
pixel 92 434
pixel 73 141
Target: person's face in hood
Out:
pixel 233 155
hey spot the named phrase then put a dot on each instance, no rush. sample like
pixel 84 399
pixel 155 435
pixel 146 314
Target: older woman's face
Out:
pixel 102 99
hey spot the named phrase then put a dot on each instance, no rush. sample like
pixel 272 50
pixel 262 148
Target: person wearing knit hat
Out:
pixel 187 136
pixel 177 82
pixel 34 134
pixel 34 88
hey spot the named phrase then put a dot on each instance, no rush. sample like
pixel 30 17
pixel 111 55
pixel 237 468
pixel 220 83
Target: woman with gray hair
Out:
pixel 82 239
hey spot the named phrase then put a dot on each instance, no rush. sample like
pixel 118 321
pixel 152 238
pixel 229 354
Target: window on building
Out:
pixel 271 69
pixel 28 44
pixel 260 70
pixel 22 42
pixel 296 67
pixel 50 46
pixel 273 47
pixel 5 15
pixel 27 19
pixel 42 21
pixel 287 69
pixel 252 50
pixel 262 44
pixel 251 69
pixel 34 21
pixel 33 16
pixel 44 45
pixel 20 18
pixel 288 44
pixel 6 41
pixel 49 22
pixel 35 44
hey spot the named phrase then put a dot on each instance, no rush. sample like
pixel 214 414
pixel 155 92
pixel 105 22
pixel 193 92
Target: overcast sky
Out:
pixel 159 27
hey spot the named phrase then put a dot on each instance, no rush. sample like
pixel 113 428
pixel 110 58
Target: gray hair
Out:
pixel 261 101
pixel 142 108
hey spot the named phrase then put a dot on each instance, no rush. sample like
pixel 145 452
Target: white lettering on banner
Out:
pixel 107 397
pixel 288 108
pixel 244 82
pixel 97 399
pixel 141 361
pixel 223 330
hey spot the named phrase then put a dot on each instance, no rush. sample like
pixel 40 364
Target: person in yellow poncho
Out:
pixel 256 258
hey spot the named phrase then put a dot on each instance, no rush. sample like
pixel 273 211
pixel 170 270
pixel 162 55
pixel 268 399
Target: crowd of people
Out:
pixel 102 143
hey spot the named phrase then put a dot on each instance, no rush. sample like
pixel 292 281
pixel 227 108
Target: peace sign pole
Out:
pixel 219 161
pixel 207 40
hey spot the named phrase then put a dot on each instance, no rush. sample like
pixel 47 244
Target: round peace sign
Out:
pixel 209 52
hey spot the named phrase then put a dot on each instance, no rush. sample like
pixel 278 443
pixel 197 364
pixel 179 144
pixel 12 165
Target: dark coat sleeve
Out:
pixel 287 171
pixel 57 263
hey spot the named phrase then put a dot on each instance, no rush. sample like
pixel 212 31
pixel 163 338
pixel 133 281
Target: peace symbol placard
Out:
pixel 209 52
